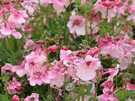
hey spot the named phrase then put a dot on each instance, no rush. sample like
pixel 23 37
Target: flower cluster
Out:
pixel 69 50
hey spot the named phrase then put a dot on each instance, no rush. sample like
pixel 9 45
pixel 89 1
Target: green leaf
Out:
pixel 130 22
pixel 94 1
pixel 123 95
pixel 89 87
pixel 88 93
pixel 2 97
pixel 72 87
pixel 78 2
pixel 83 7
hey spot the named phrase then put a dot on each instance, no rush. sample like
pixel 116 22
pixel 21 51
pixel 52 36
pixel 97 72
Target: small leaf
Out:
pixel 78 2
pixel 72 87
pixel 89 87
pixel 88 93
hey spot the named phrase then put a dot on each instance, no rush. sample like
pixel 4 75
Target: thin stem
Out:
pixel 86 11
pixel 99 38
pixel 83 92
pixel 96 89
pixel 98 79
pixel 80 91
pixel 5 86
pixel 50 90
pixel 116 81
pixel 107 14
pixel 6 95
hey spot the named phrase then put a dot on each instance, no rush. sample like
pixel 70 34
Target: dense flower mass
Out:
pixel 67 50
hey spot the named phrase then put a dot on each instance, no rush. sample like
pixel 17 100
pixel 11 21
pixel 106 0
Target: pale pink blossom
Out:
pixel 20 70
pixel 108 95
pixel 33 97
pixel 18 18
pixel 7 68
pixel 34 61
pixel 28 44
pixel 76 25
pixel 86 69
pixel 99 7
pixel 58 81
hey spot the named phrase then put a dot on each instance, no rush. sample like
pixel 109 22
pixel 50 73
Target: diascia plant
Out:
pixel 67 50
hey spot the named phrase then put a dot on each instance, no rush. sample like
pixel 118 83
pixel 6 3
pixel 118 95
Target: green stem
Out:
pixel 5 86
pixel 83 92
pixel 6 95
pixel 86 11
pixel 116 81
pixel 80 91
pixel 96 89
pixel 98 79
pixel 99 38
pixel 107 14
pixel 50 91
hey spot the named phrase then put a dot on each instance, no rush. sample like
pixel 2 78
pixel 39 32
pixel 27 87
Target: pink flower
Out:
pixel 8 68
pixel 112 71
pixel 101 8
pixel 5 29
pixel 52 48
pixel 39 76
pixel 44 3
pixel 16 34
pixel 18 18
pixel 76 25
pixel 68 57
pixel 20 70
pixel 28 44
pixel 125 61
pixel 108 95
pixel 58 81
pixel 29 7
pixel 36 79
pixel 34 61
pixel 132 12
pixel 32 97
pixel 114 50
pixel 2 11
pixel 131 16
pixel 130 86
pixel 30 30
pixel 60 2
pixel 15 98
pixel 86 69
pixel 12 87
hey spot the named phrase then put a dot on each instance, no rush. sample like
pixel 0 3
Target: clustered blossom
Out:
pixel 33 97
pixel 74 67
pixel 12 19
pixel 77 25
pixel 122 50
pixel 38 73
pixel 13 86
